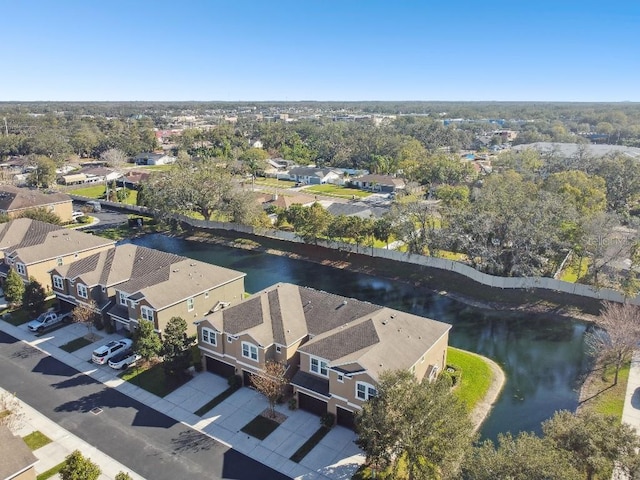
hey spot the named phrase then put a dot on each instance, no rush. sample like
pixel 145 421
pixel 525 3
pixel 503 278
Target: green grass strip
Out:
pixel 75 344
pixel 51 472
pixel 260 427
pixel 36 440
pixel 215 401
pixel 309 444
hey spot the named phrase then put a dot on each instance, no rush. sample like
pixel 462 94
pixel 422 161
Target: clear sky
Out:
pixel 289 50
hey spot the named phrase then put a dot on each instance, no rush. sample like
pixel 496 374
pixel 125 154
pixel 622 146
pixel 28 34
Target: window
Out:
pixel 249 351
pixel 319 366
pixel 364 391
pixel 146 313
pixel 209 336
pixel 231 338
pixel 434 372
pixel 278 348
pixel 58 283
pixel 189 304
pixel 82 291
pixel 123 299
pixel 21 269
pixel 341 378
pixel 59 261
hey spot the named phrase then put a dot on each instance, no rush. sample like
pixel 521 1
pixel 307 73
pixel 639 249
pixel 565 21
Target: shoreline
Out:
pixel 482 410
pixel 536 307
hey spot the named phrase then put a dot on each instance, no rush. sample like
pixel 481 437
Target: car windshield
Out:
pixel 99 354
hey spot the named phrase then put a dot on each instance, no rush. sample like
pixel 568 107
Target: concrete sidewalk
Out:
pixel 335 457
pixel 631 410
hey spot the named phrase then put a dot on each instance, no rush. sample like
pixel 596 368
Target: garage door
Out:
pixel 345 418
pixel 311 404
pixel 219 368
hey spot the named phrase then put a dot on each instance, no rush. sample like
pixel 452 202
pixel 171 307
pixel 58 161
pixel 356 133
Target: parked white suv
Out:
pixel 102 354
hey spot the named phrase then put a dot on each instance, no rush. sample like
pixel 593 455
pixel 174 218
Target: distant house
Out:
pixel 131 283
pixel 283 201
pixel 315 175
pixel 334 347
pixel 132 179
pixel 379 183
pixel 16 458
pixel 90 175
pixel 14 201
pixel 153 159
pixel 33 248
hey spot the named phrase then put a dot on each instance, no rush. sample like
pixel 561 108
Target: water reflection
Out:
pixel 543 357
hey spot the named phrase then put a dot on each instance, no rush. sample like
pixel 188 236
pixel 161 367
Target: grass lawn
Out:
pixel 273 182
pixel 97 191
pixel 215 401
pixel 155 168
pixel 75 344
pixel 336 191
pixel 36 440
pixel 602 396
pixel 260 427
pixel 571 272
pixel 458 257
pixel 17 317
pixel 309 444
pixel 476 376
pixel 51 472
pixel 153 379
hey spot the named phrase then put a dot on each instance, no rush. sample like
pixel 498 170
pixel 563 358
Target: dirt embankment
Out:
pixel 451 284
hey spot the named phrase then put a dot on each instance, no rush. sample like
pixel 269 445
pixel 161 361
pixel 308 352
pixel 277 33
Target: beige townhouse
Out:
pixel 34 248
pixel 334 347
pixel 131 283
pixel 14 201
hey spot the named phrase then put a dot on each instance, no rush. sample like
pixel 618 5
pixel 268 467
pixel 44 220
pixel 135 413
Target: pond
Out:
pixel 543 357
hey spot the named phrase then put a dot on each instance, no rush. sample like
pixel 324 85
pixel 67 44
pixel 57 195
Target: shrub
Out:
pixel 109 328
pixel 235 381
pixel 293 404
pixel 98 323
pixel 328 420
pixel 454 372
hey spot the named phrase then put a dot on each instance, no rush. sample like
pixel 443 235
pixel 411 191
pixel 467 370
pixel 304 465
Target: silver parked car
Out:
pixel 102 354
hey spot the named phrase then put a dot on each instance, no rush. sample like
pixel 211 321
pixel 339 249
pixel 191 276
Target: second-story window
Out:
pixel 123 299
pixel 146 313
pixel 21 269
pixel 58 283
pixel 249 351
pixel 319 366
pixel 82 291
pixel 59 261
pixel 209 336
pixel 365 391
pixel 189 304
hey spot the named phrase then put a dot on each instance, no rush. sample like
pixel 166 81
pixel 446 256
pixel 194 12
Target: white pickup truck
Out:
pixel 48 320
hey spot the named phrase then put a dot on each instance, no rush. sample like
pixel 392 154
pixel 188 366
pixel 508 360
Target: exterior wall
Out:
pixel 29 474
pixel 40 271
pixel 231 292
pixel 63 210
pixel 436 355
pixel 344 394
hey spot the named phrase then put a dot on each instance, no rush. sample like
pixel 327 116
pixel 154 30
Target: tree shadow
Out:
pixel 51 366
pixel 596 394
pixel 75 381
pixel 635 399
pixel 26 351
pixel 237 466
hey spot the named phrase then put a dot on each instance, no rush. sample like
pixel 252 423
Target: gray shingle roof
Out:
pixel 15 456
pixel 347 340
pixel 311 382
pixel 15 198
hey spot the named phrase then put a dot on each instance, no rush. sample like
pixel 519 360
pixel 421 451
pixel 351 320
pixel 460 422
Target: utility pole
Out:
pixel 6 129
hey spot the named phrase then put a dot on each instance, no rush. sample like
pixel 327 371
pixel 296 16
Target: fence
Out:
pixel 521 283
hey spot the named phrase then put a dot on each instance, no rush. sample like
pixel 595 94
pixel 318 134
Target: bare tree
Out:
pixel 616 335
pixel 271 382
pixel 86 314
pixel 11 414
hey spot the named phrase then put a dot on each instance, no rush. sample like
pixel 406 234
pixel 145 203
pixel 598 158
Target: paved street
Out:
pixel 147 441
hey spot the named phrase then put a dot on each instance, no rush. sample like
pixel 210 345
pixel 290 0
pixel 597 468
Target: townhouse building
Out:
pixel 334 348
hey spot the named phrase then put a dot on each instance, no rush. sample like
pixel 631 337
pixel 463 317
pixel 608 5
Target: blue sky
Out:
pixel 261 50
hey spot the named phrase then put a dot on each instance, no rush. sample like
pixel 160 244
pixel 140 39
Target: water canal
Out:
pixel 543 357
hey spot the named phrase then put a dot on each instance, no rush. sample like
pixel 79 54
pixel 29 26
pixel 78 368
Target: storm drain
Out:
pixel 96 411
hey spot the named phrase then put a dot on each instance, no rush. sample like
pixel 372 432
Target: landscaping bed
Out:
pixel 261 426
pixel 153 379
pixel 76 344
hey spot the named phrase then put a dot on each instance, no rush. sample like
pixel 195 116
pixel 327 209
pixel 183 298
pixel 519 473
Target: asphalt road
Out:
pixel 150 443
